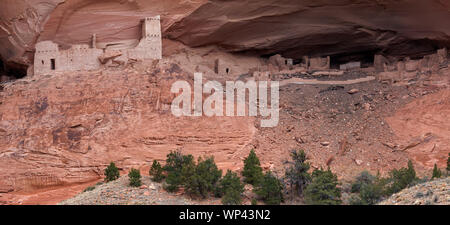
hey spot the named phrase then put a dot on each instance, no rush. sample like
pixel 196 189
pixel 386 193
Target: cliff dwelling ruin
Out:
pixel 49 58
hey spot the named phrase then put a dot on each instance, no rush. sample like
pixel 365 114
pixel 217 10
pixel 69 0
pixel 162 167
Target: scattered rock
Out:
pixel 358 162
pixel 353 91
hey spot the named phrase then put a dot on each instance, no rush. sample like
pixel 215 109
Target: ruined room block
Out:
pixel 279 61
pixel 390 67
pixel 378 63
pixel 305 62
pixel 221 68
pixel 423 64
pixel 350 66
pixel 319 63
pixel 412 65
pixel 433 62
pixel 400 66
pixel 442 56
pixel 289 62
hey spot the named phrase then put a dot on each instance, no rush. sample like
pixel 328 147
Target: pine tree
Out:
pixel 269 189
pixel 230 180
pixel 135 178
pixel 232 197
pixel 297 175
pixel 252 169
pixel 323 189
pixel 175 164
pixel 111 172
pixel 200 180
pixel 401 179
pixel 437 173
pixel 156 171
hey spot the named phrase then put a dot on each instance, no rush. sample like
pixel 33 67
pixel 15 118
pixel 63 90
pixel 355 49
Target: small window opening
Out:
pixel 52 61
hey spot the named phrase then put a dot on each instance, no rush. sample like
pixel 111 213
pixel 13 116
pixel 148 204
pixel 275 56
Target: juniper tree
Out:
pixel 111 172
pixel 135 178
pixel 156 171
pixel 448 163
pixel 437 173
pixel 201 179
pixel 269 189
pixel 323 189
pixel 297 175
pixel 175 162
pixel 401 179
pixel 252 172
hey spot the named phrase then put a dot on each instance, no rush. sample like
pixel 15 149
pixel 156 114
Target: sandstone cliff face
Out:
pixel 293 28
pixel 65 129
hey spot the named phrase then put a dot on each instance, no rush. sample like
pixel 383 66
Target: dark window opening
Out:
pixel 216 66
pixel 53 64
pixel 227 70
pixel 42 62
pixel 285 62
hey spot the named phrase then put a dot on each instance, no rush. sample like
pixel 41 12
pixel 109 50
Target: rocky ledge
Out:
pixel 435 192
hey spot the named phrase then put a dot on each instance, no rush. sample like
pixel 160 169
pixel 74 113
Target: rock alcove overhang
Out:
pixel 346 30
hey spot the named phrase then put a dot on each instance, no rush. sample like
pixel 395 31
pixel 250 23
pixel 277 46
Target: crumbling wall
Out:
pixel 280 63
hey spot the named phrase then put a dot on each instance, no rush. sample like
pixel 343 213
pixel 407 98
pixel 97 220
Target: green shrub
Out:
pixel 369 187
pixel 135 178
pixel 252 172
pixel 111 172
pixel 200 180
pixel 230 189
pixel 363 179
pixel 437 173
pixel 323 189
pixel 448 163
pixel 254 201
pixel 297 175
pixel 173 181
pixel 156 171
pixel 401 179
pixel 175 162
pixel 229 181
pixel 270 189
pixel 371 193
pixel 232 197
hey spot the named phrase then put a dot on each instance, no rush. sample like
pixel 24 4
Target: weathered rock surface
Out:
pixel 65 129
pixel 435 192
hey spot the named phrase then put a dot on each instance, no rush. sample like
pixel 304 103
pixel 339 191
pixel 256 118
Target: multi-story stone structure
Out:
pixel 49 58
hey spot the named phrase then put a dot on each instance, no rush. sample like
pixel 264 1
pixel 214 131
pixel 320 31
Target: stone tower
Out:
pixel 151 37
